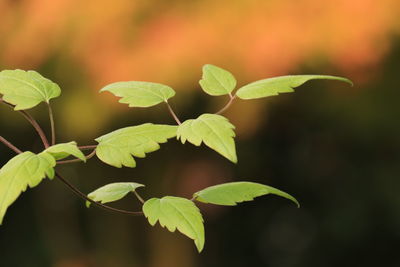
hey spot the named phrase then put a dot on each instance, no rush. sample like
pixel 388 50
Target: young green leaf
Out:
pixel 61 151
pixel 26 169
pixel 229 194
pixel 277 85
pixel 140 94
pixel 214 130
pixel 118 147
pixel 176 213
pixel 26 89
pixel 112 192
pixel 217 81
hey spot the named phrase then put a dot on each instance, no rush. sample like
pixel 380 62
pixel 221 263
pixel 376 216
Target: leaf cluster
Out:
pixel 24 90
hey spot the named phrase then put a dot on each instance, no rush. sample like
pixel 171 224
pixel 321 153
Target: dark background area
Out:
pixel 335 148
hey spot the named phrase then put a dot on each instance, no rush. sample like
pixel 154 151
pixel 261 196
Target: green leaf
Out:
pixel 283 84
pixel 26 89
pixel 176 213
pixel 229 194
pixel 214 130
pixel 112 192
pixel 61 151
pixel 25 169
pixel 118 147
pixel 217 81
pixel 140 94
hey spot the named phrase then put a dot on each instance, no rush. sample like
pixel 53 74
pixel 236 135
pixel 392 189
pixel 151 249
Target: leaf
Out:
pixel 25 169
pixel 176 213
pixel 140 94
pixel 214 130
pixel 26 89
pixel 112 192
pixel 283 84
pixel 217 81
pixel 61 151
pixel 229 194
pixel 118 147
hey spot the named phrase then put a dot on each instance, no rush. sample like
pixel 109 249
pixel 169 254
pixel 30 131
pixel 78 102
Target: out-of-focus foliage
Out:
pixel 156 40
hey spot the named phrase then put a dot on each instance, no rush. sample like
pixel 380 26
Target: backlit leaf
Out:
pixel 217 81
pixel 214 130
pixel 26 169
pixel 61 151
pixel 26 89
pixel 229 194
pixel 176 213
pixel 277 85
pixel 112 192
pixel 118 147
pixel 140 94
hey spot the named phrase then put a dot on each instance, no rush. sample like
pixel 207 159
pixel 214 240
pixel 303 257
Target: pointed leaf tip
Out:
pixel 140 94
pixel 118 147
pixel 176 213
pixel 229 194
pixel 282 84
pixel 22 171
pixel 112 192
pixel 64 150
pixel 217 81
pixel 214 130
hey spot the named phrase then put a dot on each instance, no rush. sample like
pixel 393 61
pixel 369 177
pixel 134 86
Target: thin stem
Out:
pixel 89 147
pixel 138 197
pixel 231 98
pixel 9 145
pixel 173 113
pixel 91 155
pixel 53 130
pixel 102 206
pixel 37 127
pixel 32 121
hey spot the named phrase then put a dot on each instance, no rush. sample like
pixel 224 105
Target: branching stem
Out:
pixel 9 145
pixel 74 189
pixel 32 121
pixel 173 113
pixel 231 99
pixel 102 206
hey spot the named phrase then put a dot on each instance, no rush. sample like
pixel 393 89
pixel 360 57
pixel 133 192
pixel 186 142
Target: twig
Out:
pixel 63 180
pixel 53 130
pixel 91 155
pixel 138 197
pixel 32 121
pixel 231 98
pixel 102 206
pixel 89 147
pixel 173 113
pixel 9 145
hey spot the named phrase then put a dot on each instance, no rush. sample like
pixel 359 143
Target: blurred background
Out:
pixel 335 148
